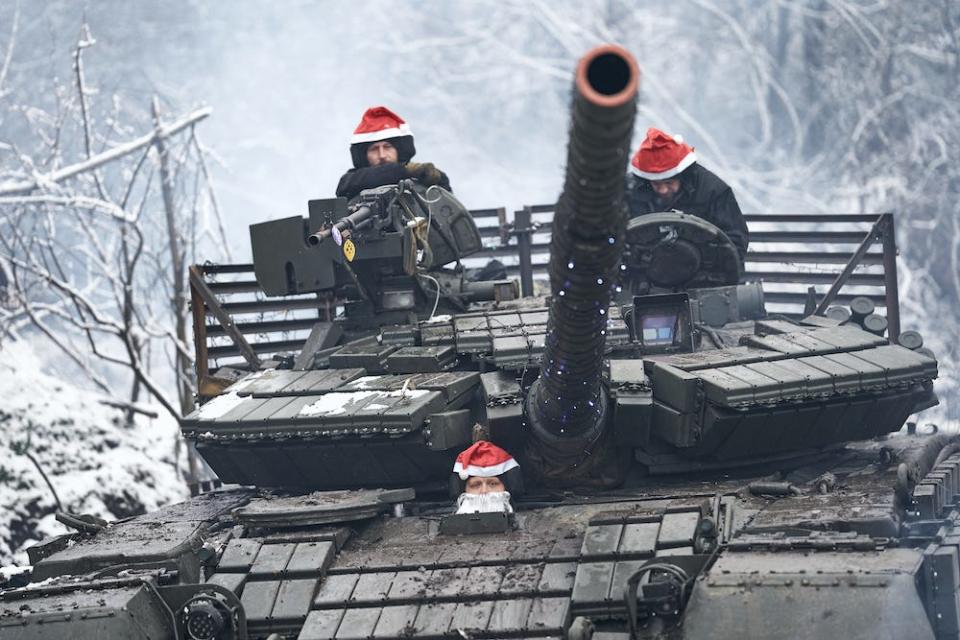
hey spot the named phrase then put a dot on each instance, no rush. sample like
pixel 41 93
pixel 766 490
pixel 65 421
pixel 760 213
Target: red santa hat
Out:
pixel 661 156
pixel 379 123
pixel 483 459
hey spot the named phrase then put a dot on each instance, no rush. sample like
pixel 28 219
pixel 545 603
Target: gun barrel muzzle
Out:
pixel 316 238
pixel 607 77
pixel 351 221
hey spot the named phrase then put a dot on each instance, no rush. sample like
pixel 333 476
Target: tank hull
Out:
pixel 846 562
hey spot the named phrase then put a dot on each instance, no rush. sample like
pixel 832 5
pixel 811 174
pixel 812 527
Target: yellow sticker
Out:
pixel 349 250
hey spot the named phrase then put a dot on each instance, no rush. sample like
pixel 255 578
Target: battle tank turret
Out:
pixel 696 469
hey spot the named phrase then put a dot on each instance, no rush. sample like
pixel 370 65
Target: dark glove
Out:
pixel 424 173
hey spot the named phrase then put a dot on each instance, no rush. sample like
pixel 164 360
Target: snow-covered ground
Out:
pixel 95 463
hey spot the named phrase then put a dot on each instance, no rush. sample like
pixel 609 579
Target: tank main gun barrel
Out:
pixel 566 409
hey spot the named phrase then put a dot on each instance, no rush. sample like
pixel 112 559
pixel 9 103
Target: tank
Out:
pixel 693 467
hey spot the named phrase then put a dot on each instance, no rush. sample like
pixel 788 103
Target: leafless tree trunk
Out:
pixel 177 267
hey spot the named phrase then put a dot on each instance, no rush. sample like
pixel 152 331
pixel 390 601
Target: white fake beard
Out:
pixel 497 502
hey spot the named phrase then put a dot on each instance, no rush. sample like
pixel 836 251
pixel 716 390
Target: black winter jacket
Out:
pixel 702 194
pixel 356 180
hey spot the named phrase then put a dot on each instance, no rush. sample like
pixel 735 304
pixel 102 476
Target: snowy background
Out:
pixel 812 106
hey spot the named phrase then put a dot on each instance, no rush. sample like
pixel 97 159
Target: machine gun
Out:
pixel 381 256
pixel 370 205
pixel 342 228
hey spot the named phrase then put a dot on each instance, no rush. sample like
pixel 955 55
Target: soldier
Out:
pixel 381 148
pixel 666 176
pixel 489 475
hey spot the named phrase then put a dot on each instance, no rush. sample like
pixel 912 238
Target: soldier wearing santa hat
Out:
pixel 667 176
pixel 381 149
pixel 490 476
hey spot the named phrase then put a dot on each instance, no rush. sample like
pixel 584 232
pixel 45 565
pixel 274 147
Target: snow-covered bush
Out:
pixel 93 461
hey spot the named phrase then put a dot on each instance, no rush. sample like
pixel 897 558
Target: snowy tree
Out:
pixel 104 204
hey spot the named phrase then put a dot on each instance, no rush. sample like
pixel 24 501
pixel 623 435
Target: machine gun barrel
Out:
pixel 565 406
pixel 352 221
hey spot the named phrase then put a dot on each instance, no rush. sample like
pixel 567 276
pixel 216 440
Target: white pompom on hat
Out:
pixel 483 459
pixel 661 156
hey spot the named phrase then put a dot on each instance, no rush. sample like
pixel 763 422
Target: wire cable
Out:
pixel 436 302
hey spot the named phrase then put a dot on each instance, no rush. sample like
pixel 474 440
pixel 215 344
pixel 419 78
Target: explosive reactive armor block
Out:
pixel 787 391
pixel 334 428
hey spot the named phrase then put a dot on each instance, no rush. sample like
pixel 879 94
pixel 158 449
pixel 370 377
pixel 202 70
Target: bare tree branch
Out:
pixel 86 40
pixel 211 194
pixel 103 158
pixel 8 55
pixel 73 201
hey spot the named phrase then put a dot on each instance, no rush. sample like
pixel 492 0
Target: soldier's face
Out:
pixel 666 190
pixel 476 484
pixel 382 152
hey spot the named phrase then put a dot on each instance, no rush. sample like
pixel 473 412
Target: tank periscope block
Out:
pixel 135 611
